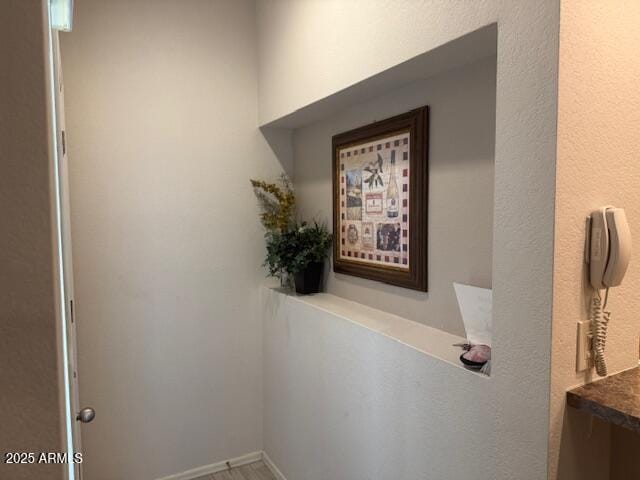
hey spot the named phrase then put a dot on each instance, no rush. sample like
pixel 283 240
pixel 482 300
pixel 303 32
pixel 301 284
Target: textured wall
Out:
pixel 30 411
pixel 311 49
pixel 598 164
pixel 345 402
pixel 162 129
pixel 461 149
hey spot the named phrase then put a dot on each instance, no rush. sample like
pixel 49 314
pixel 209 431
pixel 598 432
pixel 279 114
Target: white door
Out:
pixel 74 414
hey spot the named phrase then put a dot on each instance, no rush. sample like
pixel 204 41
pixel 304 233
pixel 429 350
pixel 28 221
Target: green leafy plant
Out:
pixel 293 250
pixel 291 246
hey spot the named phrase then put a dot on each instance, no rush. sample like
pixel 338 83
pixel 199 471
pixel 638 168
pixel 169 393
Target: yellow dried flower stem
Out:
pixel 285 197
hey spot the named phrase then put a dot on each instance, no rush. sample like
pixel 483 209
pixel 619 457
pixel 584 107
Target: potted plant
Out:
pixel 295 251
pixel 300 252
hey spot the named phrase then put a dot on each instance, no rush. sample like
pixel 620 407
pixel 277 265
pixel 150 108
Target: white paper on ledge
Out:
pixel 476 308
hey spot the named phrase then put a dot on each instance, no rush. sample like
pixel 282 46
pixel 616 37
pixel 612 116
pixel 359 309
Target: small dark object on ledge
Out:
pixel 309 280
pixel 475 356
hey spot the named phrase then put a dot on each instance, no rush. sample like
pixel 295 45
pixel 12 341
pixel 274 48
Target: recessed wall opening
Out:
pixel 458 82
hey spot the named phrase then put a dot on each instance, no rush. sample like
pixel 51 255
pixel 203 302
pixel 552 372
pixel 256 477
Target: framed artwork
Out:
pixel 380 183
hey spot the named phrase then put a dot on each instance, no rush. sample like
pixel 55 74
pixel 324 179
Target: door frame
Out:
pixel 67 351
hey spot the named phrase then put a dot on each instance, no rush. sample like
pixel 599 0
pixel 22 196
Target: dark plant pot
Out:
pixel 309 280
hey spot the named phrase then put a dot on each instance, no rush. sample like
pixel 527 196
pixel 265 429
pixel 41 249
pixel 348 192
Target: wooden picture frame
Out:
pixel 380 230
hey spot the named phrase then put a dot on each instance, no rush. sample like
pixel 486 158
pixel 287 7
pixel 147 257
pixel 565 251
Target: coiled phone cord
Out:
pixel 600 317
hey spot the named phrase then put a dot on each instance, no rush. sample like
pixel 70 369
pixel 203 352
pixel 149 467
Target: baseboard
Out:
pixel 219 467
pixel 272 466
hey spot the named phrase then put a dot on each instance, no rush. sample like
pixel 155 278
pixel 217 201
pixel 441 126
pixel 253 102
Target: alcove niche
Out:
pixel 458 81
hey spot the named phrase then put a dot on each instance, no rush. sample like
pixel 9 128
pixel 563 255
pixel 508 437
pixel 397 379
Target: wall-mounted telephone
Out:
pixel 607 252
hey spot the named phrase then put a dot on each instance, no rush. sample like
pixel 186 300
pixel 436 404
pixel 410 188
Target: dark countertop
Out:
pixel 615 399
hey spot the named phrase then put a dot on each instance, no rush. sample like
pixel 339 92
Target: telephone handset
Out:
pixel 608 253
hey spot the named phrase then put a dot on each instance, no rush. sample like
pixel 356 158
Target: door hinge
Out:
pixel 64 143
pixel 71 311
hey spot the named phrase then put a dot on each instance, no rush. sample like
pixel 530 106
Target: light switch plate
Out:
pixel 583 352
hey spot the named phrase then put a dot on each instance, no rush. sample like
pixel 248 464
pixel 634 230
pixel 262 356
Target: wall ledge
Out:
pixel 423 338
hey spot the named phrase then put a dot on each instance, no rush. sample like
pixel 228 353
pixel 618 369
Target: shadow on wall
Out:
pixel 376 287
pixel 583 436
pixel 590 447
pixel 280 142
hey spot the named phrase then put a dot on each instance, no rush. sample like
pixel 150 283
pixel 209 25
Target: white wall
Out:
pixel 312 49
pixel 30 397
pixel 598 164
pixel 162 128
pixel 461 150
pixel 346 402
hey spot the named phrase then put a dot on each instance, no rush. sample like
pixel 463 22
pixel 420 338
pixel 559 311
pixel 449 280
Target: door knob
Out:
pixel 86 415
